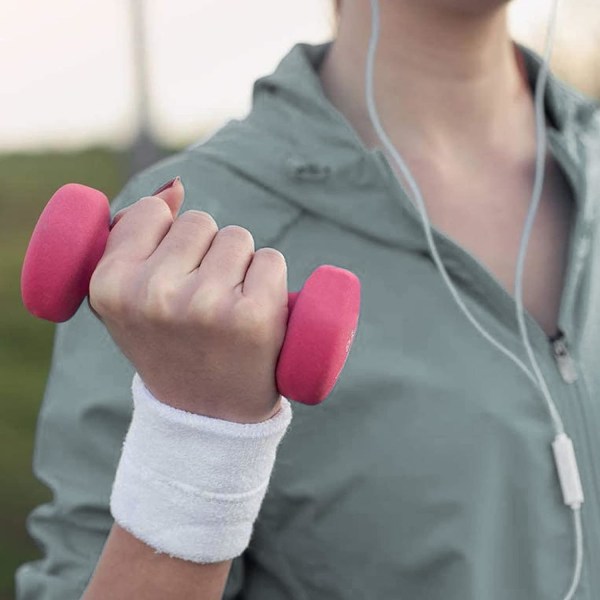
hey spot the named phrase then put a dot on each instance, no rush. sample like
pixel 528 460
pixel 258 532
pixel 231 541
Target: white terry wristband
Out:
pixel 189 485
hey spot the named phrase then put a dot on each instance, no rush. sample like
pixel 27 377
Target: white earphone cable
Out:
pixel 568 471
pixel 537 190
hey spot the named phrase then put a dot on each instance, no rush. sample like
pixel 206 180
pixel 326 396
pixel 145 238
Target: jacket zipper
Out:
pixel 567 368
pixel 563 359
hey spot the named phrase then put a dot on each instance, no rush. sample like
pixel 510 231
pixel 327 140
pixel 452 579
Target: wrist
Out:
pixel 191 485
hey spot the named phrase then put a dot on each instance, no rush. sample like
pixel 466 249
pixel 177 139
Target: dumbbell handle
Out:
pixel 69 240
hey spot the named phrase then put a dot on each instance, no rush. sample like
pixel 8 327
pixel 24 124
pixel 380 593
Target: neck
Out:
pixel 446 84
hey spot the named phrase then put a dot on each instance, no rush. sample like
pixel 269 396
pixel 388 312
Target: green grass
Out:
pixel 27 181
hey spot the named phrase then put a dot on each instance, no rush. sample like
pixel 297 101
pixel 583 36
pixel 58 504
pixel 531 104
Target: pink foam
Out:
pixel 321 329
pixel 66 245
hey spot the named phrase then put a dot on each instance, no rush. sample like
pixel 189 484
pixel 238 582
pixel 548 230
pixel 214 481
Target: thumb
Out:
pixel 171 192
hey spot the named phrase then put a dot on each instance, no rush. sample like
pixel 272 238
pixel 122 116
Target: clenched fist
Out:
pixel 200 315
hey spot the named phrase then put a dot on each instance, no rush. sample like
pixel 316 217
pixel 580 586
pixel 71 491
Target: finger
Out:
pixel 228 257
pixel 143 226
pixel 140 230
pixel 172 193
pixel 266 277
pixel 184 246
pixel 168 192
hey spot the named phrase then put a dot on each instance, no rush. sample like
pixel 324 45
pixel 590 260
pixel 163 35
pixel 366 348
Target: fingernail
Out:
pixel 166 186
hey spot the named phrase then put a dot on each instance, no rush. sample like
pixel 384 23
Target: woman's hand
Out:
pixel 199 313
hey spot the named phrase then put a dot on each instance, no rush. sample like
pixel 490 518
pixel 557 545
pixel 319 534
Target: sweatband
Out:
pixel 189 485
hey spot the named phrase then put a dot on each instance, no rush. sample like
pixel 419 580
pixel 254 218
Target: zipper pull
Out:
pixel 564 361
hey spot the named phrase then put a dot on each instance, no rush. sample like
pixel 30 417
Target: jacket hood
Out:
pixel 316 161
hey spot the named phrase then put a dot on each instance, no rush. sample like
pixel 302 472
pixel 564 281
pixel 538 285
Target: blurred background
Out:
pixel 92 91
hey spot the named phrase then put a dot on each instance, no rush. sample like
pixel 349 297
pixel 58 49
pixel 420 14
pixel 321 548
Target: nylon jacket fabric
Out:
pixel 427 473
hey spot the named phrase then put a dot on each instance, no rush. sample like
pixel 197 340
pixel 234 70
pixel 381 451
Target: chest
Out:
pixel 438 481
pixel 486 216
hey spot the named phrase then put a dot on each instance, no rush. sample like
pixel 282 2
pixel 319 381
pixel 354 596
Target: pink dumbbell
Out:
pixel 69 240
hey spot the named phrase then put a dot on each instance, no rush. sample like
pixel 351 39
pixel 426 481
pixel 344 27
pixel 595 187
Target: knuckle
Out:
pixel 245 321
pixel 155 205
pixel 144 207
pixel 199 218
pixel 238 233
pixel 272 254
pixel 161 298
pixel 206 308
pixel 274 262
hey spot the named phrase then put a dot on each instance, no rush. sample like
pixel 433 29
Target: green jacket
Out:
pixel 428 473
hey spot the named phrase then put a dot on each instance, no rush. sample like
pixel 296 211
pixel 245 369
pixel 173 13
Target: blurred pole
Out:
pixel 144 150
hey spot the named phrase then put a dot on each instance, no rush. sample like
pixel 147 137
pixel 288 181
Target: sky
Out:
pixel 68 80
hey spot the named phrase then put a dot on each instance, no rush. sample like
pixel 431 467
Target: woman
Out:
pixel 427 473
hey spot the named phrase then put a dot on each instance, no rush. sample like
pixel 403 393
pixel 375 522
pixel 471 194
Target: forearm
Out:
pixel 128 569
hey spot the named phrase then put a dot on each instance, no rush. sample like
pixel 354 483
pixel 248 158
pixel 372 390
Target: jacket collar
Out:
pixel 296 143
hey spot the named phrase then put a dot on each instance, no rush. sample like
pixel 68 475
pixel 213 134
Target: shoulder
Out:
pixel 229 175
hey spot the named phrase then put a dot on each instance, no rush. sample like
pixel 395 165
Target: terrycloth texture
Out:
pixel 189 485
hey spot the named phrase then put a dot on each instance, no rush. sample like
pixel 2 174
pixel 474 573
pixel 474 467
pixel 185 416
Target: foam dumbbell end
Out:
pixel 67 243
pixel 69 240
pixel 322 322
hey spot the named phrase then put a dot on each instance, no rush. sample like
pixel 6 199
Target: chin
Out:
pixel 472 7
